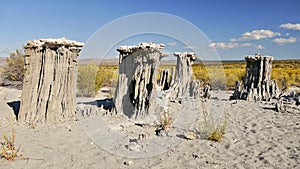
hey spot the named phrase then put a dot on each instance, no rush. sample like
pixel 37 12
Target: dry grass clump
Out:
pixel 218 132
pixel 8 150
pixel 207 129
pixel 164 123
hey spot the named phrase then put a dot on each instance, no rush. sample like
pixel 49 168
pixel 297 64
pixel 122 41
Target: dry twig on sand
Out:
pixel 164 124
pixel 8 150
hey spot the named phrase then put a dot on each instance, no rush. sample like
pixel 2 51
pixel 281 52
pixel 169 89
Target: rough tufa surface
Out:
pixel 167 78
pixel 50 42
pixel 258 84
pixel 178 83
pixel 138 68
pixel 138 93
pixel 184 70
pixel 288 103
pixel 50 80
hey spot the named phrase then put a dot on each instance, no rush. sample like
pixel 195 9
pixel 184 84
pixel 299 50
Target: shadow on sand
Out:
pixel 107 104
pixel 15 105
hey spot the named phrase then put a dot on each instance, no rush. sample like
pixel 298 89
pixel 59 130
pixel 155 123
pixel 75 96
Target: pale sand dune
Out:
pixel 256 137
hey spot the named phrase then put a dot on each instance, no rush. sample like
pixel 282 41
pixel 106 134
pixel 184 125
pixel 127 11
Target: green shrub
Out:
pixel 86 78
pixel 106 76
pixel 14 69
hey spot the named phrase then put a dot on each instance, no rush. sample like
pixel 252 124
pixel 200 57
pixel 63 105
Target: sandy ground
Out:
pixel 256 137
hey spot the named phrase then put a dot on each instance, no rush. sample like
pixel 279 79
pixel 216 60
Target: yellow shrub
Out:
pixel 286 73
pixel 106 76
pixel 86 80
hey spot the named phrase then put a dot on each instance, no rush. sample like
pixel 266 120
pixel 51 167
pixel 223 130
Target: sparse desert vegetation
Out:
pixel 8 149
pixel 13 72
pixel 285 72
pixel 207 127
pixel 106 76
pixel 218 131
pixel 86 80
pixel 92 77
pixel 155 84
pixel 224 133
pixel 165 122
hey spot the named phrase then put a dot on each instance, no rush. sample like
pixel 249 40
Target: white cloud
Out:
pixel 223 45
pixel 291 26
pixel 260 47
pixel 282 41
pixel 287 34
pixel 256 35
pixel 233 40
pixel 245 44
pixel 171 44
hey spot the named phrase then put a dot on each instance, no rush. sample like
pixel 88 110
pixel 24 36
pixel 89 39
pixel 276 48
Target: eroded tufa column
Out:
pixel 258 84
pixel 138 67
pixel 184 70
pixel 50 80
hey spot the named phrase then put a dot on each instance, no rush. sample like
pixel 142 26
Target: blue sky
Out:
pixel 235 28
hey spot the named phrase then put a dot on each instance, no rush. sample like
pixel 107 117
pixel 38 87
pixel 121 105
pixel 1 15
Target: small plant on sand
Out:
pixel 218 132
pixel 206 128
pixel 165 123
pixel 8 150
